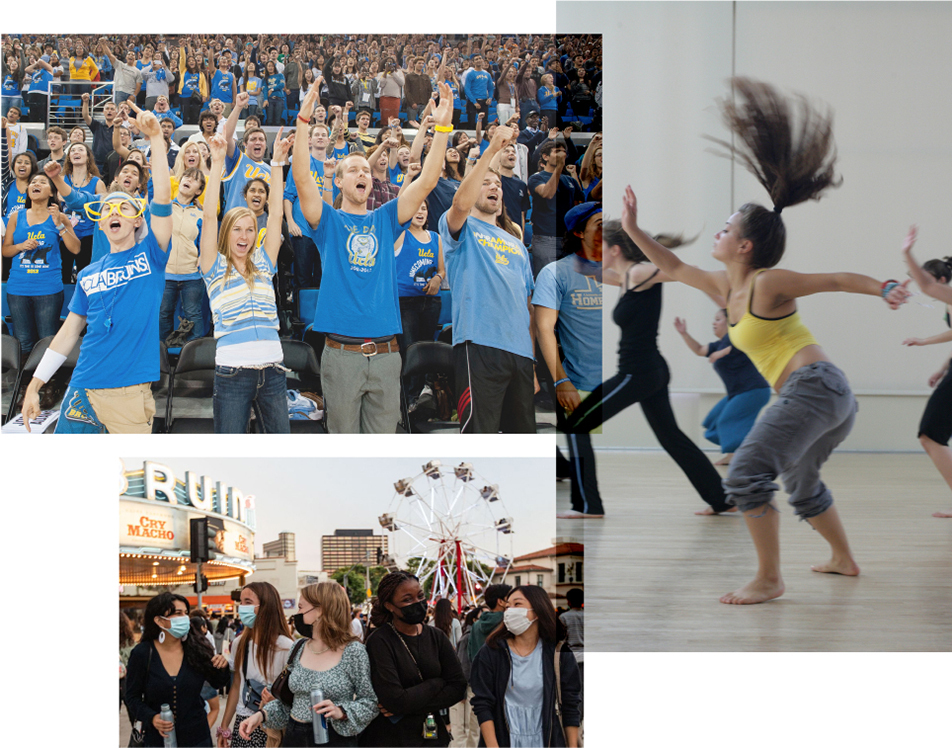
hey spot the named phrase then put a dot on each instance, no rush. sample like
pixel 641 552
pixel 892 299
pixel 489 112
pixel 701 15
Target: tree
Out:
pixel 356 581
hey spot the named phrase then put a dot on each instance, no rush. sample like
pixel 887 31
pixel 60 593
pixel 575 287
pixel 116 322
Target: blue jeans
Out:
pixel 238 390
pixel 275 111
pixel 191 293
pixel 34 318
pixel 9 101
pixel 307 262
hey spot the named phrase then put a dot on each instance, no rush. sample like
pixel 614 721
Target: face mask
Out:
pixel 247 615
pixel 517 620
pixel 304 629
pixel 178 626
pixel 413 613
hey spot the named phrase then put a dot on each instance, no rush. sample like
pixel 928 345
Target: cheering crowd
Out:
pixel 507 672
pixel 472 176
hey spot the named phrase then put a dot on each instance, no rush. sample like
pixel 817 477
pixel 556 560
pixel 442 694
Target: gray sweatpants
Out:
pixel 361 393
pixel 813 413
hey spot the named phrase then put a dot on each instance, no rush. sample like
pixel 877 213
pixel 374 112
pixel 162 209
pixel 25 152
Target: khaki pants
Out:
pixel 470 727
pixel 124 410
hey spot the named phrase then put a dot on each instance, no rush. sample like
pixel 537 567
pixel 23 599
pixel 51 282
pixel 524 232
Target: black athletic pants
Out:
pixel 495 390
pixel 650 389
pixel 937 419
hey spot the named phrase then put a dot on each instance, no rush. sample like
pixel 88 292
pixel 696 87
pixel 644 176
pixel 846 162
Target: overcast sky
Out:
pixel 314 497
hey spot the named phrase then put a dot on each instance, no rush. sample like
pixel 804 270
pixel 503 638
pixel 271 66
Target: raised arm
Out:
pixel 666 260
pixel 468 192
pixel 231 124
pixel 273 236
pixel 208 246
pixel 309 194
pixel 411 200
pixel 161 220
pixel 682 327
pixel 929 285
pixel 416 147
pixel 87 118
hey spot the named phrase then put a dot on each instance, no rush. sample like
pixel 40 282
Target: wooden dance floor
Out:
pixel 655 571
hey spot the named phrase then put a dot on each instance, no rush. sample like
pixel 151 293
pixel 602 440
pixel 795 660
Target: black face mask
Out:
pixel 304 629
pixel 413 613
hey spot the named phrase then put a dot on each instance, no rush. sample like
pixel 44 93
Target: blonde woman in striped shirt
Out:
pixel 238 263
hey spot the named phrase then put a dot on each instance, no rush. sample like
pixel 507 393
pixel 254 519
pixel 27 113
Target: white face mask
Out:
pixel 517 620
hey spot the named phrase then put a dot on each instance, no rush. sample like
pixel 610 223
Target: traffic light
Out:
pixel 198 540
pixel 201 584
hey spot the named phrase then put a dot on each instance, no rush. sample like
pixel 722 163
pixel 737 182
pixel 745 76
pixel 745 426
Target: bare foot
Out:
pixel 845 566
pixel 725 460
pixel 756 591
pixel 708 511
pixel 942 514
pixel 572 514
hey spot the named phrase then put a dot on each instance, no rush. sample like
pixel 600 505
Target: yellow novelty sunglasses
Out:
pixel 126 208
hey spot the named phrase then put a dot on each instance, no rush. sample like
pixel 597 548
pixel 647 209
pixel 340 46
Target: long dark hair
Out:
pixel 379 615
pixel 198 650
pixel 270 623
pixel 788 146
pixel 545 615
pixel 443 616
pixel 54 193
pixel 127 635
pixel 940 269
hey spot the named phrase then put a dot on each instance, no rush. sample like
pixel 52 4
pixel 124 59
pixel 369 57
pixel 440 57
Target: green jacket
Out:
pixel 481 629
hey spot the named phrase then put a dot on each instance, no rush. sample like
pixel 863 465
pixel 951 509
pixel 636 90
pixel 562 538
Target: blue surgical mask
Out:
pixel 247 615
pixel 178 626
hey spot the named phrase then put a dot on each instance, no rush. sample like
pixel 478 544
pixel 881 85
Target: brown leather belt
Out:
pixel 368 349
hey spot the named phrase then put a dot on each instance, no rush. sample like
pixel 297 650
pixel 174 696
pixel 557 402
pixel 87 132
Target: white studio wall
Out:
pixel 885 71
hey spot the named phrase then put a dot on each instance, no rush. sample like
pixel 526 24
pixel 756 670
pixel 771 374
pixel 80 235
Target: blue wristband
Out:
pixel 887 287
pixel 160 210
pixel 564 379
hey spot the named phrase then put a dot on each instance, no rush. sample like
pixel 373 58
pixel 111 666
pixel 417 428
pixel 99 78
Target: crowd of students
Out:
pixel 242 235
pixel 507 672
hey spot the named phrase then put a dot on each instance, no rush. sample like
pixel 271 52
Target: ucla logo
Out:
pixel 362 250
pixel 253 172
pixel 110 278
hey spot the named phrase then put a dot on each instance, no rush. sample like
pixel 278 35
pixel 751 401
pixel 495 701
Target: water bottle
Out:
pixel 167 716
pixel 318 720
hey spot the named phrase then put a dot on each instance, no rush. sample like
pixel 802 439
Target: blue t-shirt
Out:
pixel 85 227
pixel 396 175
pixel 120 296
pixel 39 271
pixel 548 216
pixel 479 85
pixel 359 283
pixel 573 287
pixel 457 101
pixel 192 82
pixel 491 277
pixel 239 170
pixel 291 193
pixel 440 199
pixel 417 262
pixel 41 81
pixel 736 370
pixel 10 86
pixel 221 86
pixel 515 194
pixel 15 200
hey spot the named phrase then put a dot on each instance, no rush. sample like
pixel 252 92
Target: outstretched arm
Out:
pixel 411 200
pixel 312 203
pixel 468 192
pixel 231 124
pixel 682 327
pixel 161 225
pixel 209 241
pixel 273 236
pixel 666 260
pixel 929 285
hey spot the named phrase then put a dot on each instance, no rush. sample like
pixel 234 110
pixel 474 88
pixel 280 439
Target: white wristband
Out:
pixel 50 362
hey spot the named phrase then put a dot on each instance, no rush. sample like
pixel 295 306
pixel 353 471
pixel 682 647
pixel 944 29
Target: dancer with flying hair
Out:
pixel 793 157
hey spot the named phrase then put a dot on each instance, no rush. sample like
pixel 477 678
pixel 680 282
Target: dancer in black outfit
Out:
pixel 643 374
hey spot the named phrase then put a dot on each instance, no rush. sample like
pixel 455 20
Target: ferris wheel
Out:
pixel 453 522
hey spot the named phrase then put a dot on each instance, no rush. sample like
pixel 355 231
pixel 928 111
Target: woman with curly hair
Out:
pixel 415 671
pixel 169 666
pixel 793 158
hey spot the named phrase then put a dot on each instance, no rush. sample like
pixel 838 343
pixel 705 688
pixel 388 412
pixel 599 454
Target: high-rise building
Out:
pixel 348 547
pixel 283 547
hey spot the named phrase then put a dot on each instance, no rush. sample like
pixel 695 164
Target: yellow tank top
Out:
pixel 769 343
